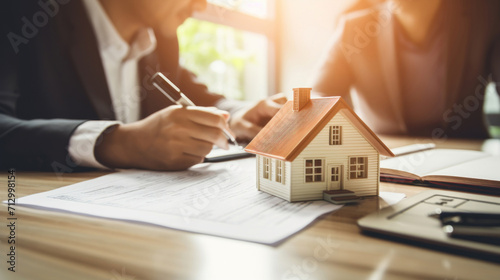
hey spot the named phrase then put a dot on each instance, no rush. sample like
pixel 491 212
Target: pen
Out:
pixel 474 233
pixel 172 92
pixel 476 226
pixel 410 149
pixel 479 219
pixel 400 151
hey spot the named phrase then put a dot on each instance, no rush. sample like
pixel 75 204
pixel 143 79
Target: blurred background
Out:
pixel 250 49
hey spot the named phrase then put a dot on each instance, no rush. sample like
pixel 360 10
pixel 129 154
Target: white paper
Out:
pixel 214 198
pixel 431 161
pixel 482 168
pixel 392 198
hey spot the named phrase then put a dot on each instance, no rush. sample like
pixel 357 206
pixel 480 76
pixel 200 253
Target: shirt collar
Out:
pixel 109 40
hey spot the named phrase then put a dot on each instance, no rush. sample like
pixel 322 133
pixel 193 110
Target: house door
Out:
pixel 335 179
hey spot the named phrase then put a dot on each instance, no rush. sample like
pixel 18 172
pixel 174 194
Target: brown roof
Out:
pixel 288 132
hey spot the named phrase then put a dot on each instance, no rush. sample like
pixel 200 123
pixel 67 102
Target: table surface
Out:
pixel 55 245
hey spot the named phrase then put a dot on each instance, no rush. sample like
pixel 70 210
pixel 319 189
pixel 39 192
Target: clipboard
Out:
pixel 217 154
pixel 410 220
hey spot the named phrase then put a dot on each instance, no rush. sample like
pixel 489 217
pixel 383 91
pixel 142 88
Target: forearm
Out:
pixel 117 147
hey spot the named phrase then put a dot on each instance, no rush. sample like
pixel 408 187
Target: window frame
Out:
pixel 313 174
pixel 266 168
pixel 264 26
pixel 356 172
pixel 279 172
pixel 335 130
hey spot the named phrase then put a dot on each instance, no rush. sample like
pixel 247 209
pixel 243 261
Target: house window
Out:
pixel 267 168
pixel 358 167
pixel 335 135
pixel 279 172
pixel 314 170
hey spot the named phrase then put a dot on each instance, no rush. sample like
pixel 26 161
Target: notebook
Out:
pixel 460 169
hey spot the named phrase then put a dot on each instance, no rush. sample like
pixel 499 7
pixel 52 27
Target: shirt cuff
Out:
pixel 83 141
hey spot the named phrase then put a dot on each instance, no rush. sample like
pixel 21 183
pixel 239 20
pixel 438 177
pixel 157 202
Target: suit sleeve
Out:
pixel 38 144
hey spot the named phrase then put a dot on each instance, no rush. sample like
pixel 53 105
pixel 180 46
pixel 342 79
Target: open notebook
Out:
pixel 461 169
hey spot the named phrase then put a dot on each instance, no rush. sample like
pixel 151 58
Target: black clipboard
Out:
pixel 234 152
pixel 409 220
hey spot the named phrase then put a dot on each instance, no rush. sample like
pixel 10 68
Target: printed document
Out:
pixel 212 198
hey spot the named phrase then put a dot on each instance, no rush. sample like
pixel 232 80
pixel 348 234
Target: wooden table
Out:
pixel 53 245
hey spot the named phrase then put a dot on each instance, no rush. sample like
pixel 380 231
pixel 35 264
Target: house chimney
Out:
pixel 300 98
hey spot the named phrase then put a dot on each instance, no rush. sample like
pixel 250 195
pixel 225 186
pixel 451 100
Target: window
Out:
pixel 492 110
pixel 335 135
pixel 267 168
pixel 279 172
pixel 230 47
pixel 358 167
pixel 314 170
pixel 257 8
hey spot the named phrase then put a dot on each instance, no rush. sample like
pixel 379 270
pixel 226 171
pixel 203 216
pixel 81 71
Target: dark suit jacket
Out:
pixel 52 80
pixel 364 53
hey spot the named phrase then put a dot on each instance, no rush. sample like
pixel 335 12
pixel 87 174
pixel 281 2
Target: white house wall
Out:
pixel 270 185
pixel 353 144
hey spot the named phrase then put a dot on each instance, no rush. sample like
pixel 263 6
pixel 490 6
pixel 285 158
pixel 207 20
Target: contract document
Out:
pixel 212 198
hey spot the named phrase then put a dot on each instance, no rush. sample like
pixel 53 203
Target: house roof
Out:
pixel 288 132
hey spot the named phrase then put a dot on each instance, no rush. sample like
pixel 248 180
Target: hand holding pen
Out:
pixel 174 138
pixel 172 92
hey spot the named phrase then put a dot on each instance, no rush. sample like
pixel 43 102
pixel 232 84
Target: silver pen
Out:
pixel 172 92
pixel 405 150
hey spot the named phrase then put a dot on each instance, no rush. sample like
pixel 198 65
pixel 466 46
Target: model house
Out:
pixel 317 145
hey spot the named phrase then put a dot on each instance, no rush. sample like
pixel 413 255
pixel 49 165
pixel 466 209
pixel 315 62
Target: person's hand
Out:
pixel 246 123
pixel 174 138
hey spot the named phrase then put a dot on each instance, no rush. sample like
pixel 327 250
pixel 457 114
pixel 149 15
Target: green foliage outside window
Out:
pixel 216 54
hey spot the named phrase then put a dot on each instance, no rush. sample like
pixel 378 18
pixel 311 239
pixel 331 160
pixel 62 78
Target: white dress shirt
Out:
pixel 120 61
